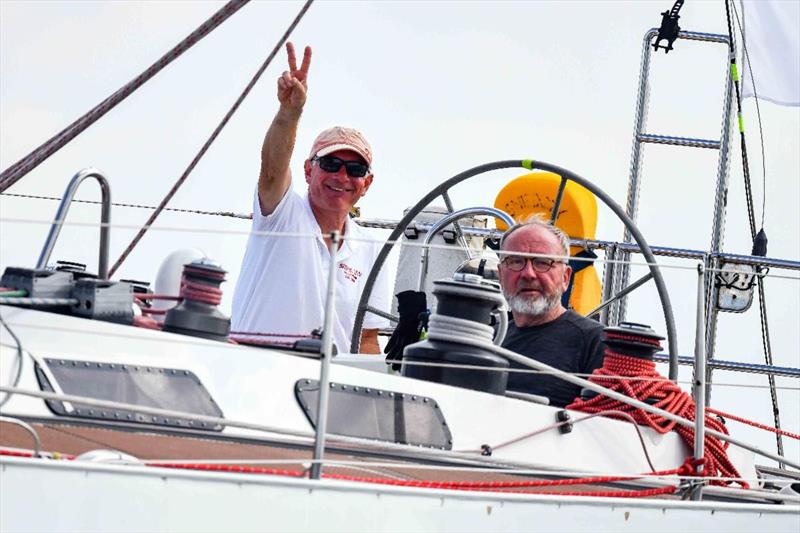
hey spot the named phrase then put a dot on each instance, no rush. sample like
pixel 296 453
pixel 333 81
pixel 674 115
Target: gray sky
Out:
pixel 438 87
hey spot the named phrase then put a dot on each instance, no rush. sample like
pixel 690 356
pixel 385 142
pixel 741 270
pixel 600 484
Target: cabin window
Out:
pixel 163 388
pixel 378 414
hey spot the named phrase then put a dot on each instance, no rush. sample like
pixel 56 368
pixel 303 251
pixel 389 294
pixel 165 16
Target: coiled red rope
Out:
pixel 662 393
pixel 201 292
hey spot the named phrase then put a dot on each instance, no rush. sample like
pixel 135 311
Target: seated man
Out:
pixel 283 282
pixel 542 328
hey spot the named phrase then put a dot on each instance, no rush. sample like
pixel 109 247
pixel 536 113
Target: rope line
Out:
pixel 304 462
pixel 489 486
pixel 136 206
pixel 432 246
pixel 754 424
pixel 211 139
pixel 664 395
pixel 765 339
pixel 16 171
pixel 377 224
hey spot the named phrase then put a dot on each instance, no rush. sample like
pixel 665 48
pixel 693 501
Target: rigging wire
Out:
pixel 16 171
pixel 693 268
pixel 758 114
pixel 762 307
pixel 212 138
pixel 136 206
pixel 745 164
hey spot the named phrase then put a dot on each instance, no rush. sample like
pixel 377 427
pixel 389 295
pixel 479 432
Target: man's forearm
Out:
pixel 276 154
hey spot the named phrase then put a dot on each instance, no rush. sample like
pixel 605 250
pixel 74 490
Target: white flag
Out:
pixel 772 41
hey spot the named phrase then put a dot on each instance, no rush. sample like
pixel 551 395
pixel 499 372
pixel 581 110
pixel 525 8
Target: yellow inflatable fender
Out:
pixel 577 217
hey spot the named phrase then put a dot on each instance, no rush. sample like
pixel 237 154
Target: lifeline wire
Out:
pixel 473 338
pixel 383 224
pixel 211 139
pixel 136 206
pixel 316 235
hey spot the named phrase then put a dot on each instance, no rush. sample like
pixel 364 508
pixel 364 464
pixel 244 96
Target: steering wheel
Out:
pixel 528 164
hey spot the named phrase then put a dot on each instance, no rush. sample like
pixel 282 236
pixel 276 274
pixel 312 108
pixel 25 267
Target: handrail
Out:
pixel 448 219
pixel 735 366
pixel 594 244
pixel 61 215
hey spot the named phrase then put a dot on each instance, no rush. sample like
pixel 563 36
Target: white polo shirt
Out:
pixel 283 281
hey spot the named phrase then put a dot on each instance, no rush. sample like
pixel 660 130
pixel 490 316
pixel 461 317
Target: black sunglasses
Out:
pixel 355 169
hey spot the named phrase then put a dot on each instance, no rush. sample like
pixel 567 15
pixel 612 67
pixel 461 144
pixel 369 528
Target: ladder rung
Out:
pixel 679 141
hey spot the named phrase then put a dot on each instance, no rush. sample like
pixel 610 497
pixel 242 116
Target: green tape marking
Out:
pixel 735 72
pixel 741 123
pixel 527 163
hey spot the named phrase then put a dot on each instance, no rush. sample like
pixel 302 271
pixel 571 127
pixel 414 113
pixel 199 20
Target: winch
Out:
pixel 197 314
pixel 464 313
pixel 631 340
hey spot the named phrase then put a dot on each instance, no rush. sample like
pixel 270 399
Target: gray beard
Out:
pixel 532 305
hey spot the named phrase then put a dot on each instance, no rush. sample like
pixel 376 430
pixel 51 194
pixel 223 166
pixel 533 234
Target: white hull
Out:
pixel 68 496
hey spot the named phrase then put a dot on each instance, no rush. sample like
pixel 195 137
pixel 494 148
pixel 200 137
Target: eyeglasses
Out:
pixel 355 169
pixel 516 263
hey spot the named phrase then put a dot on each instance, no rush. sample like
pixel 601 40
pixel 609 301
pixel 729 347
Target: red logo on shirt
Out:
pixel 350 273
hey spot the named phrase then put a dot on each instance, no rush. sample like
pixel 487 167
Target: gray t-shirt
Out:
pixel 571 343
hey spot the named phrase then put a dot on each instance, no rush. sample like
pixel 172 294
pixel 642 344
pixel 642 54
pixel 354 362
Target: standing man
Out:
pixel 283 281
pixel 542 328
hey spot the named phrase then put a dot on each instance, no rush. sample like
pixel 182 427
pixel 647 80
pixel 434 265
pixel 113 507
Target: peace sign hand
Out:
pixel 293 84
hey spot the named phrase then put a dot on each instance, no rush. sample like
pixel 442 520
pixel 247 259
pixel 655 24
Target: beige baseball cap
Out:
pixel 339 138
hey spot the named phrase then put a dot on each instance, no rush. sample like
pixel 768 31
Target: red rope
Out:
pixel 663 394
pixel 54 455
pixel 200 292
pixel 754 424
pixel 610 335
pixel 489 486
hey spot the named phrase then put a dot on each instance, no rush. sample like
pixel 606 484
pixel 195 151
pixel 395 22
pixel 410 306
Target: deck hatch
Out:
pixel 163 388
pixel 378 414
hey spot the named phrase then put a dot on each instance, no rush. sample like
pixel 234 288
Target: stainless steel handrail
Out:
pixel 450 219
pixel 735 366
pixel 593 244
pixel 63 209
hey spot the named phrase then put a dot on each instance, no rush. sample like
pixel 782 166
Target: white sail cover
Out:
pixel 772 38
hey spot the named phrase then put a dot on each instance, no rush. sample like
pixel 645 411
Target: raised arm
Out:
pixel 276 151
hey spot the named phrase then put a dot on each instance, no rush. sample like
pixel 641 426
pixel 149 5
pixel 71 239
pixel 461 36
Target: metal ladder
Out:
pixel 616 276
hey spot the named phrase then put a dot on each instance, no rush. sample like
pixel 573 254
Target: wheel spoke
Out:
pixel 559 198
pixel 627 290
